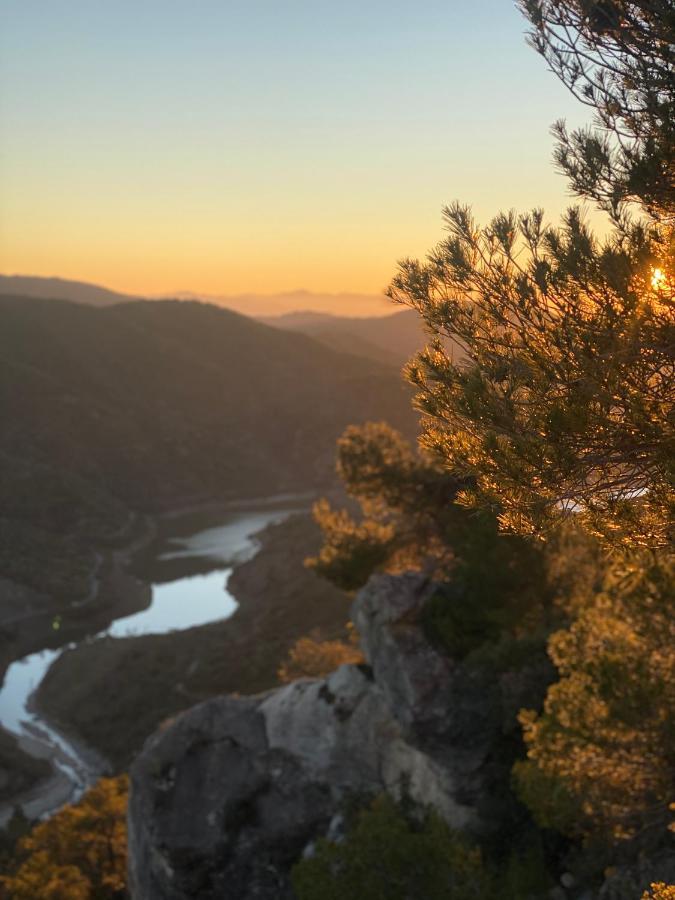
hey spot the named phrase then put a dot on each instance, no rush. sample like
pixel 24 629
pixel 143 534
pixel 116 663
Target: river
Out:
pixel 188 567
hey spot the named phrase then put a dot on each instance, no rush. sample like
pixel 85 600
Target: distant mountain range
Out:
pixel 61 289
pixel 266 305
pixel 390 339
pixel 256 305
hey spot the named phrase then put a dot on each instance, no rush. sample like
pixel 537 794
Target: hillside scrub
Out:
pixel 387 856
pixel 311 657
pixel 77 854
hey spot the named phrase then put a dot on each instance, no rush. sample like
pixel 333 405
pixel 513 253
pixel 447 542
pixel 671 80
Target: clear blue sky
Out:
pixel 261 146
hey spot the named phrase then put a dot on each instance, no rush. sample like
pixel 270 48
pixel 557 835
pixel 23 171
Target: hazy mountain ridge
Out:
pixel 391 339
pixel 61 289
pixel 249 304
pixel 285 303
pixel 132 392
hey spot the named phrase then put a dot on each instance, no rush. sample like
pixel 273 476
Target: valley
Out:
pixel 145 443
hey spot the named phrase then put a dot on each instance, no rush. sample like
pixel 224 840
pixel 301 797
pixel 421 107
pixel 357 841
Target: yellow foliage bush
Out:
pixel 660 891
pixel 313 658
pixel 600 755
pixel 80 853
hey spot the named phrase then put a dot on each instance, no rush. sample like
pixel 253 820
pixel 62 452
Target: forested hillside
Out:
pixel 126 396
pixel 149 404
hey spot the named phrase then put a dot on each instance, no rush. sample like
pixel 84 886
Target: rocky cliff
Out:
pixel 228 796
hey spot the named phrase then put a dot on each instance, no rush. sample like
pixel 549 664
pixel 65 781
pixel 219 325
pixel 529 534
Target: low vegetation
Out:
pixel 80 853
pixel 388 856
pixel 599 760
pixel 660 891
pixel 310 657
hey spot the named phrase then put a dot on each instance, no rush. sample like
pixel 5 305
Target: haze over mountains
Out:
pixel 391 339
pixel 111 403
pixel 344 304
pixel 61 289
pixel 262 305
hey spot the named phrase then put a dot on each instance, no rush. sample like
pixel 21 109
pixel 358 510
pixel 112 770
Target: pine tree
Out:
pixel 618 58
pixel 556 419
pixel 565 398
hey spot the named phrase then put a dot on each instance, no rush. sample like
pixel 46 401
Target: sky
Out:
pixel 262 146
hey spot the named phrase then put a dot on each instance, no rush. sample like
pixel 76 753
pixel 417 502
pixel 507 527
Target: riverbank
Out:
pixel 32 622
pixel 70 714
pixel 114 692
pixel 20 770
pixel 53 785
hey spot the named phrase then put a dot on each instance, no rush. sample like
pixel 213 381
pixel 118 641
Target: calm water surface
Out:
pixel 188 566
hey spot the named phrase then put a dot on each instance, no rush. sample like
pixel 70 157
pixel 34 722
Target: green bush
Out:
pixel 389 856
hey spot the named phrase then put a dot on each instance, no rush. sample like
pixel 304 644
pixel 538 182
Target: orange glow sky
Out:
pixel 240 147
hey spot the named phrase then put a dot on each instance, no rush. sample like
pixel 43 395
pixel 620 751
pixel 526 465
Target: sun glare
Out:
pixel 658 279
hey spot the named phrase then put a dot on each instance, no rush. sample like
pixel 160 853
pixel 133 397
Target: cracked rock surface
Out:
pixel 226 798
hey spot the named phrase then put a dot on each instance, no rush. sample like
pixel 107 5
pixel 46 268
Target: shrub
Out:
pixel 390 856
pixel 80 853
pixel 660 891
pixel 600 755
pixel 313 658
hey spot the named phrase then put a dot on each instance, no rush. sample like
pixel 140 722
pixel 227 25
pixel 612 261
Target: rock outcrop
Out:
pixel 227 797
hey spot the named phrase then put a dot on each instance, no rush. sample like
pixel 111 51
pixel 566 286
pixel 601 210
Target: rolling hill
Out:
pixel 256 305
pixel 153 401
pixel 156 404
pixel 391 339
pixel 61 289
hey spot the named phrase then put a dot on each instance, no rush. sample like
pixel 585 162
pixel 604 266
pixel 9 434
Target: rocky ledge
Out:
pixel 228 796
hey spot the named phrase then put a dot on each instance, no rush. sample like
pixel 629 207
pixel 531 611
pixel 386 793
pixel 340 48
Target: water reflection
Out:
pixel 180 599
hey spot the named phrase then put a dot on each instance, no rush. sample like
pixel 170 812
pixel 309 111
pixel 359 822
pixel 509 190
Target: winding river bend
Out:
pixel 188 567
